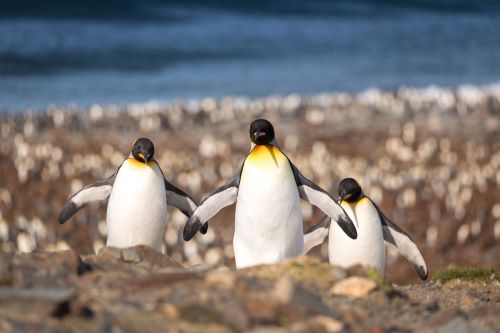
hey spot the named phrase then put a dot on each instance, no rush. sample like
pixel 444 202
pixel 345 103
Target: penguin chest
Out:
pixel 137 206
pixel 268 224
pixel 368 249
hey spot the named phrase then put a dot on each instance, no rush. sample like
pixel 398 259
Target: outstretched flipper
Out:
pixel 316 234
pixel 224 196
pixel 91 193
pixel 399 238
pixel 179 199
pixel 182 201
pixel 324 201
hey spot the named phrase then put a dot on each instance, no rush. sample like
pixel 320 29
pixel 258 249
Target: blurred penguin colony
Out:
pixel 430 158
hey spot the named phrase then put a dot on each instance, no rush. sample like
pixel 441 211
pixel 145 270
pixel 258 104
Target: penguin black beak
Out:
pixel 258 134
pixel 145 158
pixel 344 196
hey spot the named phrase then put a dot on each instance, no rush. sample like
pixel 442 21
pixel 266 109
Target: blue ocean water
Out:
pixel 88 52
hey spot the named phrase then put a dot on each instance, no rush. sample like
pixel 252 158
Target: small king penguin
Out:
pixel 373 226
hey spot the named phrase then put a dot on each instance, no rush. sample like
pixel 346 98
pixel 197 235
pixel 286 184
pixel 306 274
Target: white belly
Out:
pixel 368 249
pixel 268 217
pixel 137 208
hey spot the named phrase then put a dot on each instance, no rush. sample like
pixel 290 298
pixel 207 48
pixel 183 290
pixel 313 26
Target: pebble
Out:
pixel 329 324
pixel 170 311
pixel 354 286
pixel 283 290
pixel 221 277
pixel 130 255
pixel 461 325
pixel 110 253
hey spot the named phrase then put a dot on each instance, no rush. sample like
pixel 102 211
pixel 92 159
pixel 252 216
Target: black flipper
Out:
pixel 398 237
pixel 204 228
pixel 222 197
pixel 97 191
pixel 320 198
pixel 179 199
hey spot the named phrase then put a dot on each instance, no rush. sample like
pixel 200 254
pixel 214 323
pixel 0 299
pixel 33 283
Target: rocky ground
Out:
pixel 430 158
pixel 140 290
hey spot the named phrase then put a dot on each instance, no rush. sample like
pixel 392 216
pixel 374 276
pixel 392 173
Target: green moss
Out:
pixel 308 270
pixel 312 271
pixel 376 277
pixel 485 274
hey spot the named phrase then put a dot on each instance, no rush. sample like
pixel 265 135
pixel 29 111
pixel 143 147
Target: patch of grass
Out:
pixel 308 270
pixel 485 274
pixel 375 276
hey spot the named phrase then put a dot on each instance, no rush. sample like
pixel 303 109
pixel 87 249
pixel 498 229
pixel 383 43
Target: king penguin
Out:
pixel 266 189
pixel 138 196
pixel 373 229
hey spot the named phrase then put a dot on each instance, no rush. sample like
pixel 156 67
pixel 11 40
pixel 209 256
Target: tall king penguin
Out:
pixel 266 189
pixel 138 197
pixel 373 229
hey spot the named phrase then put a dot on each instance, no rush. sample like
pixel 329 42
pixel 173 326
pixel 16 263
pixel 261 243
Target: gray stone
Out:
pixel 131 255
pixel 5 268
pixel 460 324
pixel 109 253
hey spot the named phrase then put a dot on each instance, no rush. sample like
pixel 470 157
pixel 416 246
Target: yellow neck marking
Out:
pixel 135 163
pixel 353 203
pixel 362 200
pixel 266 156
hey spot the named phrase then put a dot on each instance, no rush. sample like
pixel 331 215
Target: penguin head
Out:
pixel 261 132
pixel 143 150
pixel 349 190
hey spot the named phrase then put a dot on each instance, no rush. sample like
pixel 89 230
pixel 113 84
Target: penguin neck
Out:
pixel 132 161
pixel 272 143
pixel 267 157
pixel 355 199
pixel 353 208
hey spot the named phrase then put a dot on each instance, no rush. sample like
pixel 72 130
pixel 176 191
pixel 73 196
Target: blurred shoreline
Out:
pixel 89 52
pixel 430 157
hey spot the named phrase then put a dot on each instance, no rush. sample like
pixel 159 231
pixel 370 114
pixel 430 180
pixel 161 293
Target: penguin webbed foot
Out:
pixel 346 224
pixel 191 228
